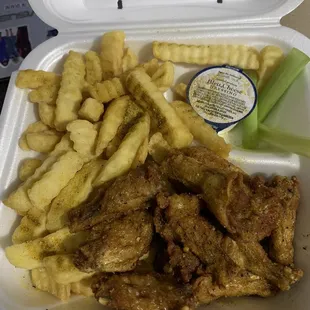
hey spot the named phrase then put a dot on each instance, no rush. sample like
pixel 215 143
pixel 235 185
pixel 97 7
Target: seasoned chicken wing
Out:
pixel 218 252
pixel 177 220
pixel 281 245
pixel 143 292
pixel 184 224
pixel 122 243
pixel 127 193
pixel 243 283
pixel 251 256
pixel 210 218
pixel 245 207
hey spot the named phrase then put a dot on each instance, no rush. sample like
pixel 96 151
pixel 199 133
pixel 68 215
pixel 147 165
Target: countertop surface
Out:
pixel 299 19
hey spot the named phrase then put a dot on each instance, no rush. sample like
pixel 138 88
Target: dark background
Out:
pixel 3 87
pixel 21 30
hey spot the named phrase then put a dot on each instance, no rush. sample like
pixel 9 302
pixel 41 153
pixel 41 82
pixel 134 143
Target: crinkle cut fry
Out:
pixel 242 56
pixel 110 89
pixel 170 125
pixel 111 54
pixel 70 92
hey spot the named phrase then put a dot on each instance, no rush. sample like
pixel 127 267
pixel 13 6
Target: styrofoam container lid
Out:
pixel 85 15
pixel 80 24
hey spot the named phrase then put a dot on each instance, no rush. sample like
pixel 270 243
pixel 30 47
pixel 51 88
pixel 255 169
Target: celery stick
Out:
pixel 280 81
pixel 284 140
pixel 250 123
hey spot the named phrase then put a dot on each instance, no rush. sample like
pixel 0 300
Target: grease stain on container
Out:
pixel 222 95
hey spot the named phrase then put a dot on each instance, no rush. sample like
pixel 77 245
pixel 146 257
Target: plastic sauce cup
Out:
pixel 222 95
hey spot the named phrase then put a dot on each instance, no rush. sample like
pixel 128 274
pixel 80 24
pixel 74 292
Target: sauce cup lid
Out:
pixel 222 95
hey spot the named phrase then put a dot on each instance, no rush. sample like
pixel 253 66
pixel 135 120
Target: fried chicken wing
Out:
pixel 177 220
pixel 251 256
pixel 220 253
pixel 143 292
pixel 127 193
pixel 247 209
pixel 184 224
pixel 243 283
pixel 281 245
pixel 122 243
pixel 209 217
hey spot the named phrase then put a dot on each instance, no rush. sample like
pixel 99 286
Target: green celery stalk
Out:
pixel 280 81
pixel 250 123
pixel 284 140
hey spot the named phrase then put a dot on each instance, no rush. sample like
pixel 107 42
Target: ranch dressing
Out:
pixel 222 95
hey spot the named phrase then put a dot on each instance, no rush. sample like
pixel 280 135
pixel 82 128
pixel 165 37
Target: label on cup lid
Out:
pixel 222 95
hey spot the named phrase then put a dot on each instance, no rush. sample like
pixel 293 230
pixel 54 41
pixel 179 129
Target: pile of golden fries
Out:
pixel 100 118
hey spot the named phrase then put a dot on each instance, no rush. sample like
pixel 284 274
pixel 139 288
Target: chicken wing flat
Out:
pixel 143 292
pixel 244 283
pixel 181 223
pixel 184 224
pixel 122 244
pixel 250 255
pixel 127 193
pixel 245 207
pixel 281 245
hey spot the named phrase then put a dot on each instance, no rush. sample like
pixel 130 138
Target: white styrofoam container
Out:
pixel 80 24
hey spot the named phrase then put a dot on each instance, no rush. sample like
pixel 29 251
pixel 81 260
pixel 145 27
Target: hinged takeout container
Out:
pixel 80 24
